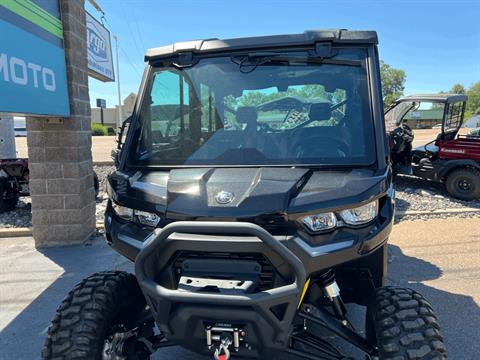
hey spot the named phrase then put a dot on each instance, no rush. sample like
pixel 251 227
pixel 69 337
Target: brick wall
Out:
pixel 60 156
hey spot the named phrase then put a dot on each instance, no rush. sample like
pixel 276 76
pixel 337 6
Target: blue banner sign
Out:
pixel 33 76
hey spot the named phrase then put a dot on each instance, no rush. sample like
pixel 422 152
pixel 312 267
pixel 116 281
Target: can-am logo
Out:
pixel 96 44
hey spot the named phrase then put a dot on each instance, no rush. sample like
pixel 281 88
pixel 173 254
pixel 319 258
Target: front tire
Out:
pixel 464 184
pixel 8 197
pixel 92 314
pixel 403 325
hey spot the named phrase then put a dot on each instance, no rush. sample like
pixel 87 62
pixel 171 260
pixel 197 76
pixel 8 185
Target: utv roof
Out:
pixel 340 36
pixel 444 98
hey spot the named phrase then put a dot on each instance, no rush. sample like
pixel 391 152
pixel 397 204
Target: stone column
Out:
pixel 59 150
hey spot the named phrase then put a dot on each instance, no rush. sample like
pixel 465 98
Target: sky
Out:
pixel 437 43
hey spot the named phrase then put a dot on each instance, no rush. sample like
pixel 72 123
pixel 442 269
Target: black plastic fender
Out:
pixel 450 165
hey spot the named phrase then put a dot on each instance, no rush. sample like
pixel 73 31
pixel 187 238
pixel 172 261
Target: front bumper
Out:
pixel 246 309
pixel 128 239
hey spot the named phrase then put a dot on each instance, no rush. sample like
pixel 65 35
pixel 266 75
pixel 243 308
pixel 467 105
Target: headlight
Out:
pixel 142 217
pixel 123 212
pixel 360 215
pixel 320 222
pixel 146 218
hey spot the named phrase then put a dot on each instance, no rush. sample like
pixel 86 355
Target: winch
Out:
pixel 220 337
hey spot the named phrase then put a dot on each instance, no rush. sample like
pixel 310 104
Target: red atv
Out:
pixel 14 178
pixel 451 158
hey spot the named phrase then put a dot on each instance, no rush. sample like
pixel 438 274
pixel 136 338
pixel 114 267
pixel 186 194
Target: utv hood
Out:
pixel 231 193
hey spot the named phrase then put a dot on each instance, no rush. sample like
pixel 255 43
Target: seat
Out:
pixel 320 141
pixel 320 111
pixel 247 115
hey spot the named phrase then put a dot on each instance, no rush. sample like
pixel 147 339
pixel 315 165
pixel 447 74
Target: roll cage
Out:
pixel 453 112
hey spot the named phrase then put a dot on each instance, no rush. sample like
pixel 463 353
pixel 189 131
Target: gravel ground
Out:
pixel 415 194
pixel 20 217
pixel 102 172
pixel 412 194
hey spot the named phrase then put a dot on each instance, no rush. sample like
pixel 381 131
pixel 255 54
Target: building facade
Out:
pixel 424 119
pixel 110 115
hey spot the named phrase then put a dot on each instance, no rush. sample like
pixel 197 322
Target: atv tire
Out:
pixel 84 321
pixel 464 184
pixel 403 325
pixel 8 200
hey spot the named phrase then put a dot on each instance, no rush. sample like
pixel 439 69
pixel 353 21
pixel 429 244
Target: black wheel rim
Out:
pixel 464 185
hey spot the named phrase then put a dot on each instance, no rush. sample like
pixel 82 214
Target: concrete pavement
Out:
pixel 101 148
pixel 439 258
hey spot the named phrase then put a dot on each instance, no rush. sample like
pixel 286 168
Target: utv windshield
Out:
pixel 257 110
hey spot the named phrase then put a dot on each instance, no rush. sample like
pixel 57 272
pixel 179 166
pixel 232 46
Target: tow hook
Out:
pixel 222 352
pixel 221 338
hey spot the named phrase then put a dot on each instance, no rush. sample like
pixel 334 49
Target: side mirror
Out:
pixel 121 131
pixel 115 154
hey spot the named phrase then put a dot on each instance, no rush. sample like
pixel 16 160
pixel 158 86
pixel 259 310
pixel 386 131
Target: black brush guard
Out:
pixel 162 300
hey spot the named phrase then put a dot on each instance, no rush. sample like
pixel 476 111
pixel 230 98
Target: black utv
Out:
pixel 254 195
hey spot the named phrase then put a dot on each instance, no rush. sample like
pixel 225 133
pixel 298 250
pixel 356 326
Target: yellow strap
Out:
pixel 304 292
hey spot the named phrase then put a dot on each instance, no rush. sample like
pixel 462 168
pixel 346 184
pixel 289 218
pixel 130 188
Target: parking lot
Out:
pixel 102 145
pixel 441 264
pixel 258 186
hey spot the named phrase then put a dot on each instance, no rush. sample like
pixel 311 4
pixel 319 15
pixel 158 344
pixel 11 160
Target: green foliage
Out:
pixel 307 92
pixel 458 89
pixel 473 93
pixel 99 130
pixel 393 83
pixel 473 103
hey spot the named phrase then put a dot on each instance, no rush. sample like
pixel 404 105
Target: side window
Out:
pixel 425 115
pixel 169 109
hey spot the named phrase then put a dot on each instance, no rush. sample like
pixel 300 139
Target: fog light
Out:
pixel 360 215
pixel 320 222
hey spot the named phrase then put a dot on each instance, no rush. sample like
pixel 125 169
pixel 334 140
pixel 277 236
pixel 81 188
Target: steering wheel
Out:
pixel 318 146
pixel 267 128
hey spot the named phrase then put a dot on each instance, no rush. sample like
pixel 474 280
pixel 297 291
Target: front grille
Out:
pixel 267 275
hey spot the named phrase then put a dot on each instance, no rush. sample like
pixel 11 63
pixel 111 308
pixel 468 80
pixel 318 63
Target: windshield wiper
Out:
pixel 253 60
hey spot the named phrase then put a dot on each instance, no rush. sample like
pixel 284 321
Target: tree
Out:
pixel 458 89
pixel 393 83
pixel 473 93
pixel 473 103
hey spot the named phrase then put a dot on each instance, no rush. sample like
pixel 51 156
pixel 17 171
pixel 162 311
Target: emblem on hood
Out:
pixel 224 197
